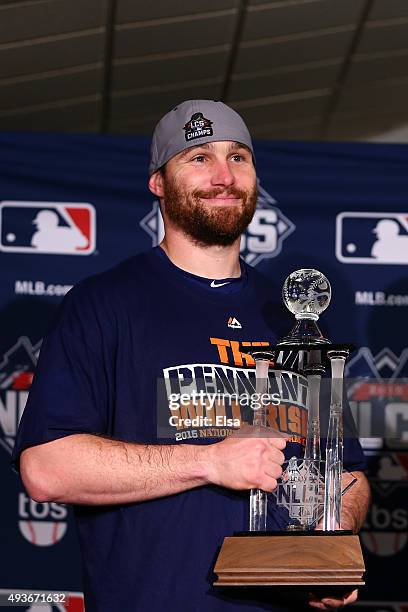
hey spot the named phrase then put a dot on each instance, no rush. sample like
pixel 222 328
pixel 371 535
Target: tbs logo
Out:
pixel 42 524
pixel 385 530
pixel 47 227
pixel 262 240
pixel 374 238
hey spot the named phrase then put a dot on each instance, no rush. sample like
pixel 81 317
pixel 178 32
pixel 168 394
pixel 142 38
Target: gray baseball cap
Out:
pixel 192 123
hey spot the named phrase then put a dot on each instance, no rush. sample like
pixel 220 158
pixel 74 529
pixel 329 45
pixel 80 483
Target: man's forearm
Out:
pixel 88 469
pixel 355 502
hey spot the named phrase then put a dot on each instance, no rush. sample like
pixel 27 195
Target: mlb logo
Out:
pixel 374 238
pixel 47 227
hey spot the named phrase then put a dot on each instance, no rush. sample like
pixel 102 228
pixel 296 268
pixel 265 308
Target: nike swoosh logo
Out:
pixel 213 284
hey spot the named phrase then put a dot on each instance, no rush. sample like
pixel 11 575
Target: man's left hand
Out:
pixel 331 603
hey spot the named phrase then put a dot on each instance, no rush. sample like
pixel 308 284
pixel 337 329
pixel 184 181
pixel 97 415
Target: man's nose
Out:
pixel 221 174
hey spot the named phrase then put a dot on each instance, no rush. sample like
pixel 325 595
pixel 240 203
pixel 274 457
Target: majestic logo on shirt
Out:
pixel 372 238
pixel 198 127
pixel 263 238
pixel 234 323
pixel 378 395
pixel 16 373
pixel 47 227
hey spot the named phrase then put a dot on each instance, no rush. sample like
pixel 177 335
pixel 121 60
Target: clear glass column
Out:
pixel 334 448
pixel 258 505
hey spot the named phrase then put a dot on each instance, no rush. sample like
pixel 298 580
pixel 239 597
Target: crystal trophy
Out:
pixel 310 488
pixel 307 293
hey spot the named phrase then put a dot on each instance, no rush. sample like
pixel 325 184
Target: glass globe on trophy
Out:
pixel 306 294
pixel 310 488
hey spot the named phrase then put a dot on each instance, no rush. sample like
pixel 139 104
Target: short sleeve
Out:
pixel 70 390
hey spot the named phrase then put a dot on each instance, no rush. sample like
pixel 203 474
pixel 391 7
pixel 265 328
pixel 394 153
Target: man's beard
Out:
pixel 206 224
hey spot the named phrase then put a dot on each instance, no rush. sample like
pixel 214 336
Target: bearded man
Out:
pixel 152 510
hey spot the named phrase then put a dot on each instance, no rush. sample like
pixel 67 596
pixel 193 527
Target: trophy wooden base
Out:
pixel 302 559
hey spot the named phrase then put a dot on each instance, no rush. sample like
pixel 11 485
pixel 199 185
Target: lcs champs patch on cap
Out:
pixel 198 127
pixel 192 123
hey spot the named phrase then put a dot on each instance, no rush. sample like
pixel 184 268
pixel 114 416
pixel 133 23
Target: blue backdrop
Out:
pixel 73 205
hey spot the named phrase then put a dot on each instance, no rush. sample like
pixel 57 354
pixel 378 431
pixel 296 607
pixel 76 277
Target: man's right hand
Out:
pixel 247 460
pixel 93 470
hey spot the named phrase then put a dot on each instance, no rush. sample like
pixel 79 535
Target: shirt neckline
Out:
pixel 241 286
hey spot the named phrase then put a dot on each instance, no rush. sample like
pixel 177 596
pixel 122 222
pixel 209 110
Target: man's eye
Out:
pixel 199 158
pixel 238 157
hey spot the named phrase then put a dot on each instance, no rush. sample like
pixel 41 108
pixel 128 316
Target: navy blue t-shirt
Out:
pixel 117 335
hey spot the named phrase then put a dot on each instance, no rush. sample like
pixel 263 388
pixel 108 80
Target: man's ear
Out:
pixel 156 184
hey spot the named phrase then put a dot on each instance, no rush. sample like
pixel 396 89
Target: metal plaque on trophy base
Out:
pixel 313 550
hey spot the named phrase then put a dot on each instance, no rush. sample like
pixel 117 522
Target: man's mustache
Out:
pixel 232 192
